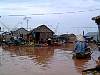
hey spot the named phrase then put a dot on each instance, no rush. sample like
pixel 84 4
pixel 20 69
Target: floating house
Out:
pixel 71 38
pixel 21 32
pixel 92 36
pixel 60 38
pixel 6 36
pixel 41 34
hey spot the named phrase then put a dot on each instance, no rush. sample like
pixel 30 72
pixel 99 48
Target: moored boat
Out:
pixel 87 54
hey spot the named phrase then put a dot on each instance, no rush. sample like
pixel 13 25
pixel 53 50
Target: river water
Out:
pixel 15 60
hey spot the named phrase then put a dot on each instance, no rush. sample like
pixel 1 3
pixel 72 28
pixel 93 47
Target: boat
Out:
pixel 92 71
pixel 87 54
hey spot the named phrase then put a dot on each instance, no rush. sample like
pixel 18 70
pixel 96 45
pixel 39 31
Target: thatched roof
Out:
pixel 97 19
pixel 42 28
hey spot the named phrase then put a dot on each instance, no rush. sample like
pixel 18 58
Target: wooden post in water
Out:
pixel 97 21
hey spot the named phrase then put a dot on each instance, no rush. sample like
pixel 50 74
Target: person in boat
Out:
pixel 97 68
pixel 80 45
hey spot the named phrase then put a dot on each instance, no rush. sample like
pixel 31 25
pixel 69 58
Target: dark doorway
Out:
pixel 37 37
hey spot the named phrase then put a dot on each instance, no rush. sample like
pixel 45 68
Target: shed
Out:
pixel 41 33
pixel 21 32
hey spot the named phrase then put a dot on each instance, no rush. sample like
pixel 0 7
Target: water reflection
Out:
pixel 39 55
pixel 79 64
pixel 43 55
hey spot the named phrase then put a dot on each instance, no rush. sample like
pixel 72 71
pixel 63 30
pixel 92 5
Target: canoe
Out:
pixel 92 71
pixel 82 56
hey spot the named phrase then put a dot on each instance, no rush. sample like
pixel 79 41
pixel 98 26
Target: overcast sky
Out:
pixel 62 16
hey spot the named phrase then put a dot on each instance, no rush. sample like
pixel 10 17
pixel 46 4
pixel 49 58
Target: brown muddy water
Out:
pixel 15 60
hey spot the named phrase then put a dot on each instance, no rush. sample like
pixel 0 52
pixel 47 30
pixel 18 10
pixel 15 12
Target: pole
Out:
pixel 27 24
pixel 97 21
pixel 99 33
pixel 83 32
pixel 27 21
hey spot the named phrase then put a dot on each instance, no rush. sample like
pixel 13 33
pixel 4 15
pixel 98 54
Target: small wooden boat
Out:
pixel 92 71
pixel 87 54
pixel 81 56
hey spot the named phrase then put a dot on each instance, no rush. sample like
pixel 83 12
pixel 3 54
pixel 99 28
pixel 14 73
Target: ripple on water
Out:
pixel 43 61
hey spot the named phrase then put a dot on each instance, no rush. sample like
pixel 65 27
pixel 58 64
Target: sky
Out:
pixel 62 16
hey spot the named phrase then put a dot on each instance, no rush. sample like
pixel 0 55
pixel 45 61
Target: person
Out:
pixel 49 41
pixel 80 45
